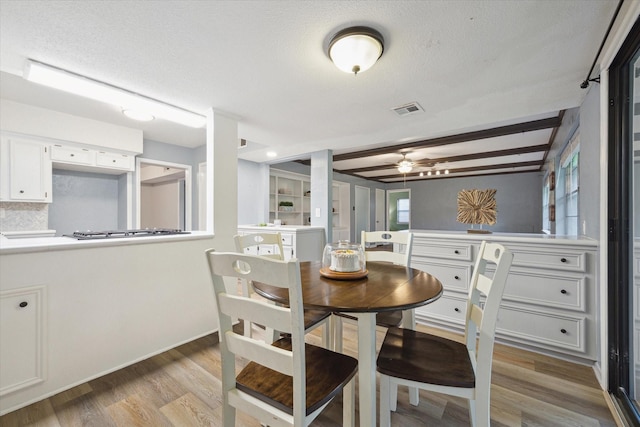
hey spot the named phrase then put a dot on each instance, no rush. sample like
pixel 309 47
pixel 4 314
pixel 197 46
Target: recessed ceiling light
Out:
pixel 140 116
pixel 271 154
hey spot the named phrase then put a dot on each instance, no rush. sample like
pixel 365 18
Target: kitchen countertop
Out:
pixel 40 244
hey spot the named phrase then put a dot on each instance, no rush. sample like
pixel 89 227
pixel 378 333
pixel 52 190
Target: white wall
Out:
pixel 253 192
pixel 30 120
pixel 160 205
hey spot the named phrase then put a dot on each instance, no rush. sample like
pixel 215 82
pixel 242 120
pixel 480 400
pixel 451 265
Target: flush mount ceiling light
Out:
pixel 57 78
pixel 140 116
pixel 356 49
pixel 405 166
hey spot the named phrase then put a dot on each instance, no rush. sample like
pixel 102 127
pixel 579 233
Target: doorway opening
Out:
pixel 163 195
pixel 362 211
pixel 399 209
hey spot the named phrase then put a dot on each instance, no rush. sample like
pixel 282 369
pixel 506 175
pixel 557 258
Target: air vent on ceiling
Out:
pixel 407 109
pixel 242 143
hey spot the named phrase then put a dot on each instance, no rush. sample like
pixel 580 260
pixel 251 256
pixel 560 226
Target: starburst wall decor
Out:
pixel 477 207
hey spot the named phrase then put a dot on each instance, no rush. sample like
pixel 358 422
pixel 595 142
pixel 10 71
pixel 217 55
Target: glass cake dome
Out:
pixel 343 257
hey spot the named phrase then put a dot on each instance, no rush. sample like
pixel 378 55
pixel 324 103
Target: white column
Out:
pixel 222 179
pixel 322 191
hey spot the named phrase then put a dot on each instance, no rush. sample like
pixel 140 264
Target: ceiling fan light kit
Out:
pixel 405 166
pixel 356 49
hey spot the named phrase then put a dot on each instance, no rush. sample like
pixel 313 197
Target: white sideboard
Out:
pixel 549 303
pixel 305 243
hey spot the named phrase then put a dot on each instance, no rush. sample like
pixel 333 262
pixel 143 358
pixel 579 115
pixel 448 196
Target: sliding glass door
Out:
pixel 624 227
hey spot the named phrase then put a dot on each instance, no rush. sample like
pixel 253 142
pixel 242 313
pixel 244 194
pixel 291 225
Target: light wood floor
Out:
pixel 181 387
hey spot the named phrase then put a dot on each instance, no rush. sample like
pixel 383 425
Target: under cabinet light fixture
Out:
pixel 57 78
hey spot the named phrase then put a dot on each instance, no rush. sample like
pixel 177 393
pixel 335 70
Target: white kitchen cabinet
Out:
pixel 87 159
pixel 22 338
pixel 72 155
pixel 550 300
pixel 25 170
pixel 120 161
pixel 305 243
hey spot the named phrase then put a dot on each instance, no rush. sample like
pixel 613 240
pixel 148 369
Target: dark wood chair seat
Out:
pixel 426 358
pixel 327 372
pixel 314 317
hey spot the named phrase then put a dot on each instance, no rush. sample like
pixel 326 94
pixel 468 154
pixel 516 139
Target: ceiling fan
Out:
pixel 406 165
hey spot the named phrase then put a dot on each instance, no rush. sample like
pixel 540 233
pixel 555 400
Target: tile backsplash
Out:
pixel 24 216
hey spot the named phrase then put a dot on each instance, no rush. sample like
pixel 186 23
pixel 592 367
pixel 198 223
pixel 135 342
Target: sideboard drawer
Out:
pixel 545 328
pixel 287 239
pixel 565 291
pixel 559 260
pixel 445 250
pixel 452 277
pixel 447 307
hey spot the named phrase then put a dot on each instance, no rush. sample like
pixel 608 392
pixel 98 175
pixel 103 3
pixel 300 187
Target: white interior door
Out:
pixel 363 207
pixel 380 209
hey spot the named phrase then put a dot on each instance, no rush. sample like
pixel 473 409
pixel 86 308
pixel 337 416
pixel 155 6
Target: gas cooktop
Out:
pixel 94 235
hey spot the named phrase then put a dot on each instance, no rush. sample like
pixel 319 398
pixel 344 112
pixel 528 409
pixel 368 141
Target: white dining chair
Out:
pixel 289 382
pixel 403 241
pixel 270 245
pixel 429 362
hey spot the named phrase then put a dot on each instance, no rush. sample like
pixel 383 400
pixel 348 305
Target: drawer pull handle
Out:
pixel 457 310
pixel 21 191
pixel 564 291
pixel 456 252
pixel 23 304
pixel 456 277
pixel 72 155
pixel 563 330
pixel 563 260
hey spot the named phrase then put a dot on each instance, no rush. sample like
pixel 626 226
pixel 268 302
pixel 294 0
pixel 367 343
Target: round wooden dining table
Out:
pixel 386 287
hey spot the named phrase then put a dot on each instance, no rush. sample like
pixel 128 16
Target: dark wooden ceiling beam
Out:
pixel 460 158
pixel 453 172
pixel 534 125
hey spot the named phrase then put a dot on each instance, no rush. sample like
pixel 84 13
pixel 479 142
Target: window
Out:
pixel 568 188
pixel 548 201
pixel 403 210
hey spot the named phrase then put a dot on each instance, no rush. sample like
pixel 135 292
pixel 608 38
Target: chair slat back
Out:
pixel 229 306
pixel 400 238
pixel 483 318
pixel 258 311
pixel 245 242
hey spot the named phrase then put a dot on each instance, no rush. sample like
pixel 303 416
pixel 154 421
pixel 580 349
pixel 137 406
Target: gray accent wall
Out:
pixel 434 203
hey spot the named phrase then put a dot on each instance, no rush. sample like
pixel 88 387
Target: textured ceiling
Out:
pixel 470 64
